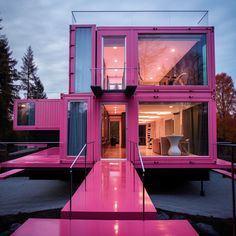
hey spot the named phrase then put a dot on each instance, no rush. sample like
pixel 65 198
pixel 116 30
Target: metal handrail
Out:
pixel 85 170
pixel 77 157
pixel 140 157
pixel 143 178
pixel 227 144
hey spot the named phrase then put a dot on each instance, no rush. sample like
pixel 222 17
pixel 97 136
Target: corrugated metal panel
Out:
pixel 48 113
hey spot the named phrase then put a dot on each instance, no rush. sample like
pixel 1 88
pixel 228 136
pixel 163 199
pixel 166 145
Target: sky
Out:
pixel 44 24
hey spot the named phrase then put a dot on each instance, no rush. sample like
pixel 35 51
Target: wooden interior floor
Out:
pixel 145 151
pixel 114 152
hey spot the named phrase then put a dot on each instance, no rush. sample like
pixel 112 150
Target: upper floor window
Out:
pixel 114 62
pixel 26 113
pixel 83 59
pixel 172 59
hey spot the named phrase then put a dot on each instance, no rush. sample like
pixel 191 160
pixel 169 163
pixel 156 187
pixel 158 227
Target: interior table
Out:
pixel 174 145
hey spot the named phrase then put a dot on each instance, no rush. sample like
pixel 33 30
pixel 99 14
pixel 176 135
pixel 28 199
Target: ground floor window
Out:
pixel 77 127
pixel 173 129
pixel 26 113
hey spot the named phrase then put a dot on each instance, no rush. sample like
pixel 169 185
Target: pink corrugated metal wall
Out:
pixel 47 114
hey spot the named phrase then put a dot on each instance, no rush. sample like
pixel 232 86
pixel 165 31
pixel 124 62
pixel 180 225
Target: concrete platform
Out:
pixel 114 191
pixel 60 227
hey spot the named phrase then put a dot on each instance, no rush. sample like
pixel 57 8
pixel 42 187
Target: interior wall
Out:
pixel 117 118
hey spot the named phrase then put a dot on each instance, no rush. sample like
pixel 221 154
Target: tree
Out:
pixel 8 88
pixel 31 83
pixel 226 107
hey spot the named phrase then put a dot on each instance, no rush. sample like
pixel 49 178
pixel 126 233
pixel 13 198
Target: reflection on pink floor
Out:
pixel 56 227
pixel 46 158
pixel 114 191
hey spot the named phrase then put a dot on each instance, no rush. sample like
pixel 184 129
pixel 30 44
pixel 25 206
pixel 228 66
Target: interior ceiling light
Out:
pixel 115 70
pixel 150 78
pixel 115 60
pixel 114 47
pixel 151 117
pixel 170 106
pixel 145 120
pixel 156 112
pixel 172 49
pixel 158 67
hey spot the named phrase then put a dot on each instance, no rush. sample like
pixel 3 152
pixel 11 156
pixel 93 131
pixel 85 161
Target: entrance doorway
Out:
pixel 113 130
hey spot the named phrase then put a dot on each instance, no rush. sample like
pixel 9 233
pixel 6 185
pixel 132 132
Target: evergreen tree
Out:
pixel 30 82
pixel 8 89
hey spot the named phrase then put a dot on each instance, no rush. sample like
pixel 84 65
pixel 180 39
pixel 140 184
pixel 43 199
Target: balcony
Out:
pixel 142 18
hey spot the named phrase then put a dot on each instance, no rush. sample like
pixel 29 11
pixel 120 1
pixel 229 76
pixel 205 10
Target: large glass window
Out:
pixel 172 59
pixel 26 113
pixel 173 129
pixel 114 62
pixel 83 59
pixel 77 127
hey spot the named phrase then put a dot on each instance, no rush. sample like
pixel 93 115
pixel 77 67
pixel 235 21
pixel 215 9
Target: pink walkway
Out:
pixel 57 227
pixel 114 191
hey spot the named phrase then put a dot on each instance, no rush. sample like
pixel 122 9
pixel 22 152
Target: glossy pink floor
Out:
pixel 113 191
pixel 57 227
pixel 50 158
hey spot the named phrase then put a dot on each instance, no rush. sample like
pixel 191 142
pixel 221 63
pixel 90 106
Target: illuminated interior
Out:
pixel 172 59
pixel 113 130
pixel 160 122
pixel 114 63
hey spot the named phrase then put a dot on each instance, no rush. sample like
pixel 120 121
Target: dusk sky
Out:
pixel 44 24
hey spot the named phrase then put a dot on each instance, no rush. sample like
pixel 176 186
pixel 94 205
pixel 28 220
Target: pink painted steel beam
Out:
pixel 225 173
pixel 60 227
pixel 10 173
pixel 113 191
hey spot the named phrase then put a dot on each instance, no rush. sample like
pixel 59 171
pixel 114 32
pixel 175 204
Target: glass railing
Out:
pixel 142 18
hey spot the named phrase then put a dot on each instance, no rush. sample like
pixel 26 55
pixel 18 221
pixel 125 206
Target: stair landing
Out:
pixel 113 192
pixel 59 227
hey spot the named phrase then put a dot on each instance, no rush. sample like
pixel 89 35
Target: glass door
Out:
pixel 113 130
pixel 113 59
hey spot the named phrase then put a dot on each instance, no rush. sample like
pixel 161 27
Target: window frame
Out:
pixel 114 31
pixel 172 103
pixel 72 55
pixel 211 126
pixel 210 70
